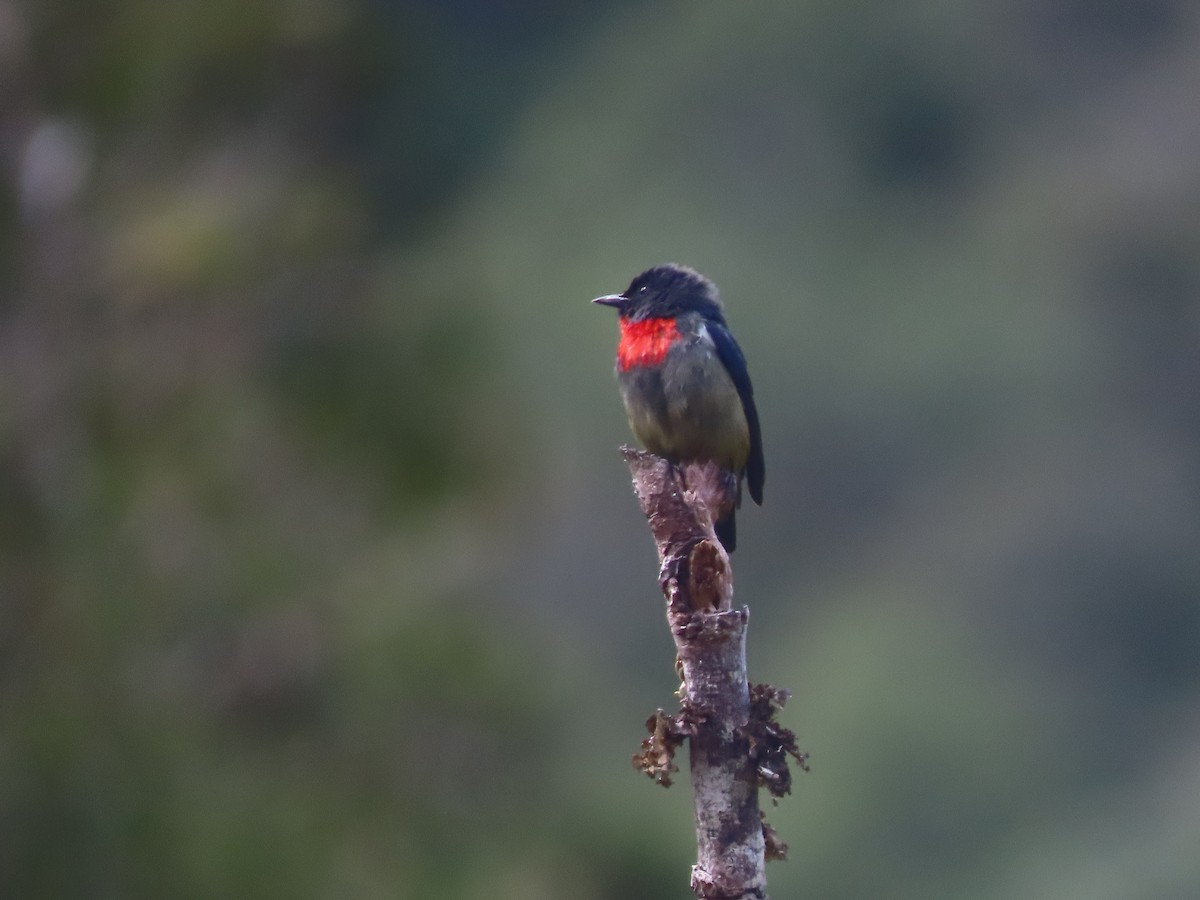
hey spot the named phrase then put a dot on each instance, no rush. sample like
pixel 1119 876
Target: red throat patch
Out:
pixel 645 343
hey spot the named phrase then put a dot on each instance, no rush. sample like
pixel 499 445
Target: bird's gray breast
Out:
pixel 688 406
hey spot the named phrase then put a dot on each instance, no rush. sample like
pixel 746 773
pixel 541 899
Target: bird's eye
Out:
pixel 643 289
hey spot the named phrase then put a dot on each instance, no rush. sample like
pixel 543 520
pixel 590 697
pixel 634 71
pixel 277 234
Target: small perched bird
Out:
pixel 684 380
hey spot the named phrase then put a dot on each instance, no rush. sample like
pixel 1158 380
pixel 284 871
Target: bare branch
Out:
pixel 710 636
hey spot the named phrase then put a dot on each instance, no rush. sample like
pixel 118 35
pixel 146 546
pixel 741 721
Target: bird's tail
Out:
pixel 726 531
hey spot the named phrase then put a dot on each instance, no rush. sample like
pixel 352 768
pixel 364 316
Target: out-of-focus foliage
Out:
pixel 318 572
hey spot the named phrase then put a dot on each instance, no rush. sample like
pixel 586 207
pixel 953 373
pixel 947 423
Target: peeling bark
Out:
pixel 710 636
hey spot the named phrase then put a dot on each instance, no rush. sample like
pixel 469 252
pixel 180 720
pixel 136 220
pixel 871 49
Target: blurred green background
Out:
pixel 320 575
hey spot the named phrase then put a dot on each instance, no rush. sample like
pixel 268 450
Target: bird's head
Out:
pixel 665 292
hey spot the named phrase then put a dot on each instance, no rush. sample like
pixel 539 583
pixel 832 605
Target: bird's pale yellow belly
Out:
pixel 688 408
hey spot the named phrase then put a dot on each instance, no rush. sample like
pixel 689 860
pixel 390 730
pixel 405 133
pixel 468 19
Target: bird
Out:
pixel 684 381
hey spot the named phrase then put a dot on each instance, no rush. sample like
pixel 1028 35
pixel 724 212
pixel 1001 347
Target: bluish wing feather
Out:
pixel 731 355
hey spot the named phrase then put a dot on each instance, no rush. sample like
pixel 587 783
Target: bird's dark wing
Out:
pixel 731 355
